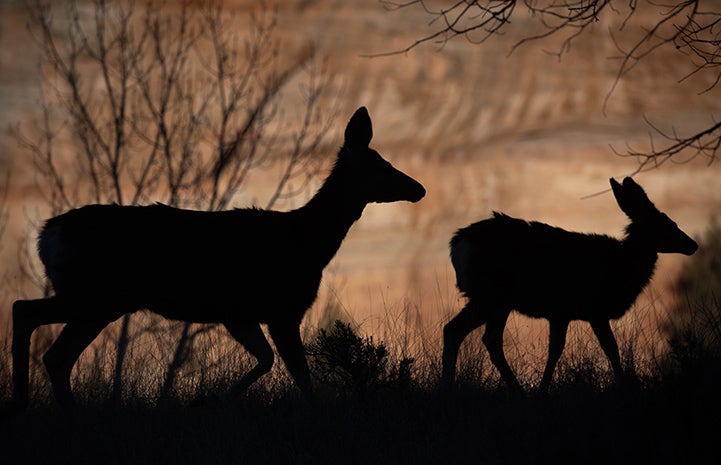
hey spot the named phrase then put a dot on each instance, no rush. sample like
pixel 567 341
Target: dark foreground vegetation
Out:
pixel 378 410
pixel 579 424
pixel 378 404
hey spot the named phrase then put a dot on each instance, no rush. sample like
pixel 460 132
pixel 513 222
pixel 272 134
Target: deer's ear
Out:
pixel 632 188
pixel 631 198
pixel 359 131
pixel 617 189
pixel 621 199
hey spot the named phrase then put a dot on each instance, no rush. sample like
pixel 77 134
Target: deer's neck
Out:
pixel 328 216
pixel 641 255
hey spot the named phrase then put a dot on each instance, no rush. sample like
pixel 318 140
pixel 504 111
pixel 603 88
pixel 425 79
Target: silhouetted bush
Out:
pixel 694 325
pixel 340 358
pixel 700 278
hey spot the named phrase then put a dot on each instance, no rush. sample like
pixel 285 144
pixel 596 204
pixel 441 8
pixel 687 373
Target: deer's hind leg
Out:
pixel 251 336
pixel 27 315
pixel 556 343
pixel 493 340
pixel 62 355
pixel 454 332
pixel 60 358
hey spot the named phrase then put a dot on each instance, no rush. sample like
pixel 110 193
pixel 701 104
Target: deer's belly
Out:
pixel 580 310
pixel 250 299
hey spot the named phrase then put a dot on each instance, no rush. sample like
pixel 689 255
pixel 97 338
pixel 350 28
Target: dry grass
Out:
pixel 586 418
pixel 381 401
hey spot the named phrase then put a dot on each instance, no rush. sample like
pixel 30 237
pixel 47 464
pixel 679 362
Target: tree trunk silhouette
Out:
pixel 166 105
pixel 121 350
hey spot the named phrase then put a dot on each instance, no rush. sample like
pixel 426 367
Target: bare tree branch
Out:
pixel 677 148
pixel 681 23
pixel 461 18
pixel 156 101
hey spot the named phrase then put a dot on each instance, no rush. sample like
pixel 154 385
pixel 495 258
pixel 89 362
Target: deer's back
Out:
pixel 541 270
pixel 173 261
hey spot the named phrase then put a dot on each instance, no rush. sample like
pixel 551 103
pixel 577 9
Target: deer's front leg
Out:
pixel 556 343
pixel 602 330
pixel 286 336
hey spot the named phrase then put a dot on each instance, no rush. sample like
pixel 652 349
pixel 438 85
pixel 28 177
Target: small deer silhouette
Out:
pixel 241 268
pixel 504 264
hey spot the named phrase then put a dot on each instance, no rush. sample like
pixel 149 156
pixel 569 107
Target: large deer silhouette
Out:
pixel 241 268
pixel 504 264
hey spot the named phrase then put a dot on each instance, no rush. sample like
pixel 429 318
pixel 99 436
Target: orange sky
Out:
pixel 483 130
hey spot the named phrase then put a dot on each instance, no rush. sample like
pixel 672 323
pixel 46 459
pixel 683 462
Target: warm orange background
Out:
pixel 524 133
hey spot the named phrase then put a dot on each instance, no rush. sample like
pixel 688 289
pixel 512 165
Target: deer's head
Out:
pixel 663 234
pixel 374 179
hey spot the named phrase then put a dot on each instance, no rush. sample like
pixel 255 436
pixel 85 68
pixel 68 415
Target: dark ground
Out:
pixel 677 422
